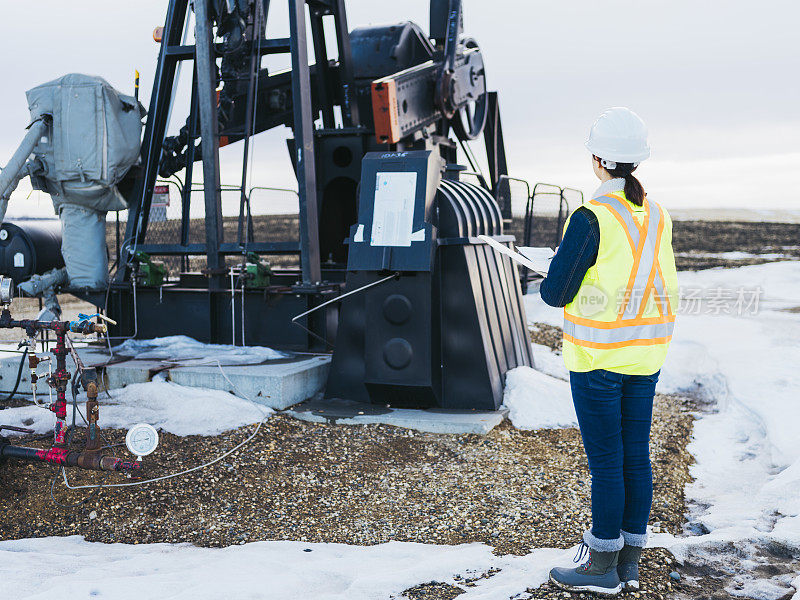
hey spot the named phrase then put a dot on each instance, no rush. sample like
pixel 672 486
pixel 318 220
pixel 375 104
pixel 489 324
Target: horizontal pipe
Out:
pixel 91 461
pixel 224 248
pixel 10 172
pixel 267 46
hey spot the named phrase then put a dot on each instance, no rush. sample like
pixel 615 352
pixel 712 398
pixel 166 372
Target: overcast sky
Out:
pixel 716 82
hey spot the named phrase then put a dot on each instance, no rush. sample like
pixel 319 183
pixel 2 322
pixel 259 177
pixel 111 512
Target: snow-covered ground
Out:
pixel 736 255
pixel 551 407
pixel 747 474
pixel 165 405
pixel 70 568
pixel 742 359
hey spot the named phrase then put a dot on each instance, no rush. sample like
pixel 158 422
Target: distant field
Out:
pixel 689 237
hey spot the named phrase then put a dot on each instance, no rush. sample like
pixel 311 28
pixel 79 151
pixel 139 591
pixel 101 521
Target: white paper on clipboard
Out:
pixel 535 259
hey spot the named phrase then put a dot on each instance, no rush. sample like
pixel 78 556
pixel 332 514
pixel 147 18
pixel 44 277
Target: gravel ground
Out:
pixel 353 484
pixel 511 489
pixel 546 335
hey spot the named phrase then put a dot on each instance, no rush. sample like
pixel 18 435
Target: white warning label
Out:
pixel 393 215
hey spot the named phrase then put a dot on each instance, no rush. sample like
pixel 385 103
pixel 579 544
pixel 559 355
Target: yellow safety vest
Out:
pixel 623 315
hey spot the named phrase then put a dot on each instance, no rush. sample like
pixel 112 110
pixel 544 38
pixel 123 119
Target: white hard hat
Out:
pixel 619 135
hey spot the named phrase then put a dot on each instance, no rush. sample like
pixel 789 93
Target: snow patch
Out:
pixel 746 488
pixel 538 312
pixel 735 255
pixel 549 362
pixel 165 405
pixel 190 352
pixel 71 568
pixel 536 400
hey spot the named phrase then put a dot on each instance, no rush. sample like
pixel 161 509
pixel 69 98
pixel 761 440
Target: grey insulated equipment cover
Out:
pixel 83 246
pixel 94 140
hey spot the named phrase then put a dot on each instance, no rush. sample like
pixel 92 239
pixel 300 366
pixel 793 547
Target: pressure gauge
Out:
pixel 142 439
pixel 6 290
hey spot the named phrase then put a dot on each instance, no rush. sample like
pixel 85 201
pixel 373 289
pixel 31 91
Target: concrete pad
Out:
pixel 277 384
pixel 9 367
pixel 345 412
pixel 119 371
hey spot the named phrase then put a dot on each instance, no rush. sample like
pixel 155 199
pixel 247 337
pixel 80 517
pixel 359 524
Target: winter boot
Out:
pixel 628 567
pixel 598 574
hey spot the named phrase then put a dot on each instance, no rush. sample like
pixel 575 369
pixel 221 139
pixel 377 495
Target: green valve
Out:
pixel 152 272
pixel 258 271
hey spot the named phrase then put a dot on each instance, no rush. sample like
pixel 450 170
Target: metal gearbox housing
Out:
pixel 446 330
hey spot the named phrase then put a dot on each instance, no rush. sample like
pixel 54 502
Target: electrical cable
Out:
pixel 135 323
pixel 173 475
pixel 80 502
pixel 241 278
pixel 247 173
pixel 338 299
pixel 250 158
pixel 19 378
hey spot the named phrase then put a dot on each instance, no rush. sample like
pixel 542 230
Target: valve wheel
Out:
pixel 469 121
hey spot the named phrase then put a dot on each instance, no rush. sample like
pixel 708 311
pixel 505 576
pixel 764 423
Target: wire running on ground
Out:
pixel 185 471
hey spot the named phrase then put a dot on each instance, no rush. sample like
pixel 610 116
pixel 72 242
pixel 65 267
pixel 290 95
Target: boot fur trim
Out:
pixel 635 539
pixel 601 545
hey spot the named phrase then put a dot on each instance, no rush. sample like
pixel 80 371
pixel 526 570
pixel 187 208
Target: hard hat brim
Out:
pixel 616 156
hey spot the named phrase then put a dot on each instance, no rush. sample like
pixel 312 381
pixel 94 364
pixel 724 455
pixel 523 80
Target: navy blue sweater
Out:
pixel 576 253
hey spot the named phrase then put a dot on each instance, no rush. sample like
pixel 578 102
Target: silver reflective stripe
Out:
pixel 618 334
pixel 646 264
pixel 623 212
pixel 661 295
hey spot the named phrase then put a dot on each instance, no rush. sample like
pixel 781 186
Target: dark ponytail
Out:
pixel 633 189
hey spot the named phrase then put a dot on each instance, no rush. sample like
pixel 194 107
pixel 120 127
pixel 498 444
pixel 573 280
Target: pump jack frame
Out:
pixel 204 305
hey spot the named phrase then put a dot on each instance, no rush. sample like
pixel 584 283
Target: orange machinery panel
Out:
pixel 384 111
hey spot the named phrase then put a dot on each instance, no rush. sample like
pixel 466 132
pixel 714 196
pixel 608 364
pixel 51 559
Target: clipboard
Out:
pixel 541 266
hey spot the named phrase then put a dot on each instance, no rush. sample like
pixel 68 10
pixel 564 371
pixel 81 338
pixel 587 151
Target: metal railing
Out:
pixel 546 209
pixel 560 211
pixel 169 233
pixel 538 228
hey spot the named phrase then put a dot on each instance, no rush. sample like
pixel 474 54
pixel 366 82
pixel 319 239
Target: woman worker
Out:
pixel 614 274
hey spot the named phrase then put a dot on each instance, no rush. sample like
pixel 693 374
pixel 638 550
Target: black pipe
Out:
pixel 59 456
pixel 19 452
pixel 30 247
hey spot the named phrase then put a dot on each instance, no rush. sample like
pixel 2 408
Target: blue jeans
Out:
pixel 614 413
